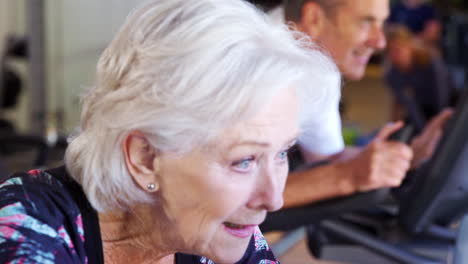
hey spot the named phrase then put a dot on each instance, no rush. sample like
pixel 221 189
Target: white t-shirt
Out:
pixel 277 14
pixel 322 134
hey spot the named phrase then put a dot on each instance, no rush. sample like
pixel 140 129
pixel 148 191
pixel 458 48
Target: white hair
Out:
pixel 180 71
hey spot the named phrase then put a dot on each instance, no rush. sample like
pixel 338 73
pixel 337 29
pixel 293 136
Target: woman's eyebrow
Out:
pixel 254 142
pixel 249 142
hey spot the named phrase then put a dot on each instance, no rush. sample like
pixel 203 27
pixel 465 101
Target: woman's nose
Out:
pixel 268 194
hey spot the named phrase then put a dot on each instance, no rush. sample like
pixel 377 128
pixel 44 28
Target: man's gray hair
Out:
pixel 293 8
pixel 181 72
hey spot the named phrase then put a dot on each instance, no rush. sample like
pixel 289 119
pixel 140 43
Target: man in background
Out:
pixel 351 31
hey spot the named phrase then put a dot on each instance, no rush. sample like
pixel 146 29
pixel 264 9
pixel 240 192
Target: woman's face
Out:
pixel 216 195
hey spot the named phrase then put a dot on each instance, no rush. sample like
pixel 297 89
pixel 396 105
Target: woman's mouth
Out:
pixel 237 230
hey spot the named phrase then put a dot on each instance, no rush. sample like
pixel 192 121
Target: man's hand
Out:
pixel 425 143
pixel 382 163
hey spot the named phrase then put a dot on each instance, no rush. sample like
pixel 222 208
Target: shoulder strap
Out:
pixel 93 242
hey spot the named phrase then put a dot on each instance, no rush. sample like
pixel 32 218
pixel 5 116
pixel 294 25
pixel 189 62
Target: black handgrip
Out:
pixel 404 135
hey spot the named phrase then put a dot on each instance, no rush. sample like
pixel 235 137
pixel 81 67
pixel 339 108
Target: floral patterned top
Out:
pixel 46 218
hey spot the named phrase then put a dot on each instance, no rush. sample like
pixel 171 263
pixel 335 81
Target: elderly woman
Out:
pixel 183 143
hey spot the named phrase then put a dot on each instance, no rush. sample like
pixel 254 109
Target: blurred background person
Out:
pixel 417 77
pixel 420 18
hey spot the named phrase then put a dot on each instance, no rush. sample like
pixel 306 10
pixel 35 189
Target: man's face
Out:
pixel 353 32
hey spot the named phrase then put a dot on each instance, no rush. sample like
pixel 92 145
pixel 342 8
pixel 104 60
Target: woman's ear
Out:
pixel 312 19
pixel 141 159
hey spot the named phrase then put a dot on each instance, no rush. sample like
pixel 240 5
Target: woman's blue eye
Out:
pixel 243 165
pixel 283 155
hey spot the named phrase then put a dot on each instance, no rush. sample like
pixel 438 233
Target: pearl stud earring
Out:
pixel 151 186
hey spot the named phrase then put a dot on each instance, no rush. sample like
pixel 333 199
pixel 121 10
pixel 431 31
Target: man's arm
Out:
pixel 323 182
pixel 382 163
